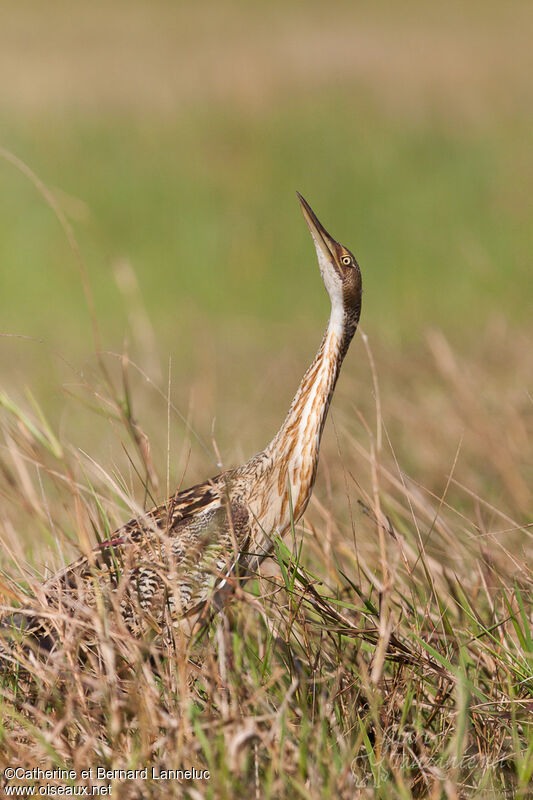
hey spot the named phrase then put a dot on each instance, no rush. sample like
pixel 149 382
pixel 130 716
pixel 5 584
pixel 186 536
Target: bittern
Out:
pixel 178 562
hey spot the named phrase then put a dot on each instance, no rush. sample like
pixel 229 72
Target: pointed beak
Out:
pixel 323 241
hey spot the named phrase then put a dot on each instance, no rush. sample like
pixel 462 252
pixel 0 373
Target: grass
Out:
pixel 432 211
pixel 385 649
pixel 155 143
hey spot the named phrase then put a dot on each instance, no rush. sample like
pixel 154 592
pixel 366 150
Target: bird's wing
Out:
pixel 173 562
pixel 191 506
pixel 173 557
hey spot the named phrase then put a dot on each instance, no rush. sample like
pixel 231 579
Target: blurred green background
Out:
pixel 174 135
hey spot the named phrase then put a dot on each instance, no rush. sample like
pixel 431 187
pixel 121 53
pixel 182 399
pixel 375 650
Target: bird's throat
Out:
pixel 296 445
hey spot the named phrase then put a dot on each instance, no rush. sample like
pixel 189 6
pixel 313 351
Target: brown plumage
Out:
pixel 177 562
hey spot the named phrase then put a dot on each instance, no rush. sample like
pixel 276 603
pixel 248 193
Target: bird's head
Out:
pixel 339 268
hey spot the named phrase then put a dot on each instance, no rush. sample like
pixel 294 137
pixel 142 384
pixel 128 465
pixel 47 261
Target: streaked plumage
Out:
pixel 178 561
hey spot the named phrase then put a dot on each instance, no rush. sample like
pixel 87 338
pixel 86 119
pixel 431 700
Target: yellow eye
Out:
pixel 346 260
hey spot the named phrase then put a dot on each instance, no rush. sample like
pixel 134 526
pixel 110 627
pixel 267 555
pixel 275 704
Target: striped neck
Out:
pixel 298 440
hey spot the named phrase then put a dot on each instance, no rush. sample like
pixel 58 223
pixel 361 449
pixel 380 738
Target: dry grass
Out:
pixel 386 648
pixel 448 60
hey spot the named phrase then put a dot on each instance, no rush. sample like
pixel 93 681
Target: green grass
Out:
pixel 205 209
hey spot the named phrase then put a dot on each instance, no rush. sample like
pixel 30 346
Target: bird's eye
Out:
pixel 346 260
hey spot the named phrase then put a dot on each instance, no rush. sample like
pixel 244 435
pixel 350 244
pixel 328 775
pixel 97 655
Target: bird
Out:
pixel 175 565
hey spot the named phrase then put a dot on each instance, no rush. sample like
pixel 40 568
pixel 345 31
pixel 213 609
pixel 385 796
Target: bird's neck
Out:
pixel 297 443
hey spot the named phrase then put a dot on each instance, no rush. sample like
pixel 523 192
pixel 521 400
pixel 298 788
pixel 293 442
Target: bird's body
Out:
pixel 168 567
